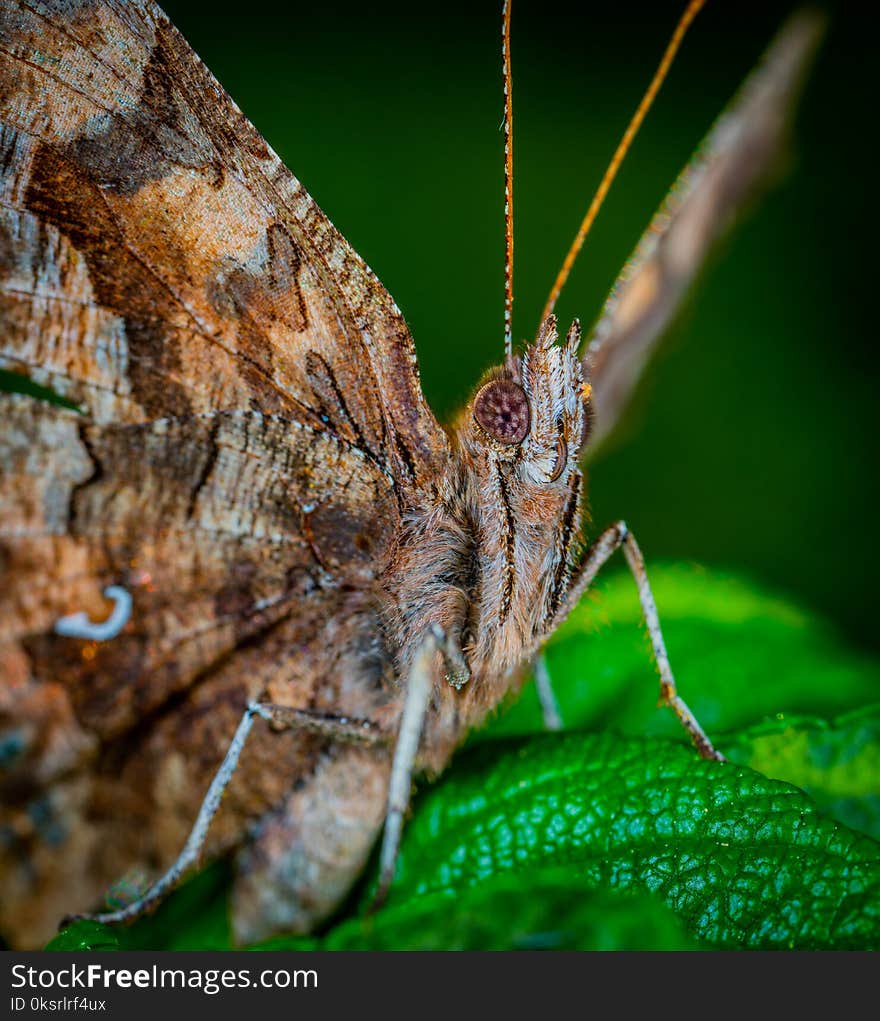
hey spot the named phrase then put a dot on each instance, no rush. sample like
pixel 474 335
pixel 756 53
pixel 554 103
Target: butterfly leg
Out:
pixel 458 673
pixel 606 544
pixel 544 686
pixel 341 728
pixel 418 694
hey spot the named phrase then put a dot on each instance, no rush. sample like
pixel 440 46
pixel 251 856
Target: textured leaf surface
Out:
pixel 743 860
pixel 837 762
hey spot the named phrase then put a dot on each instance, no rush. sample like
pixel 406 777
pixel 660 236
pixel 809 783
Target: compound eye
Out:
pixel 501 409
pixel 561 458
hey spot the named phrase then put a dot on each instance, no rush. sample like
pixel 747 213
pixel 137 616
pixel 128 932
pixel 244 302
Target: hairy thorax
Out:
pixel 490 561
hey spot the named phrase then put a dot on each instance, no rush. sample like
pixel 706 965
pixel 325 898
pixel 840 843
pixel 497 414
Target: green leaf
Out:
pixel 743 860
pixel 739 655
pixel 837 762
pixel 537 911
pixel 86 935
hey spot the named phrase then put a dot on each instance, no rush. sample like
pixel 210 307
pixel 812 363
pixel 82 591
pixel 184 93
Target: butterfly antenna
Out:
pixel 508 185
pixel 693 8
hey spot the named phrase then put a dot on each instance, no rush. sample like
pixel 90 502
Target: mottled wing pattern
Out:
pixel 737 158
pixel 250 426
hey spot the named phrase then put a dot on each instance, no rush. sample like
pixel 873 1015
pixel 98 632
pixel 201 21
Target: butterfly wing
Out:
pixel 741 152
pixel 243 425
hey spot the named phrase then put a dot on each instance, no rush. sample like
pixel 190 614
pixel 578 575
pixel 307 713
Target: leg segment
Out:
pixel 544 686
pixel 605 545
pixel 418 694
pixel 340 728
pixel 457 671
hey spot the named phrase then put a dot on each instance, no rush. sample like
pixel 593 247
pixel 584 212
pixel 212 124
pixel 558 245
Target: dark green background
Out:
pixel 752 446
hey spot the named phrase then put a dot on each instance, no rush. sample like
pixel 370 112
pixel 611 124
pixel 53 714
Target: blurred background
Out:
pixel 753 444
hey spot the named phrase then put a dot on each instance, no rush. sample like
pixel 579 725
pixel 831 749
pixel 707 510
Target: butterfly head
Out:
pixel 520 441
pixel 528 416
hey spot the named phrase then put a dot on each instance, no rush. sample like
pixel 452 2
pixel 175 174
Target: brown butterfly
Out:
pixel 244 507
